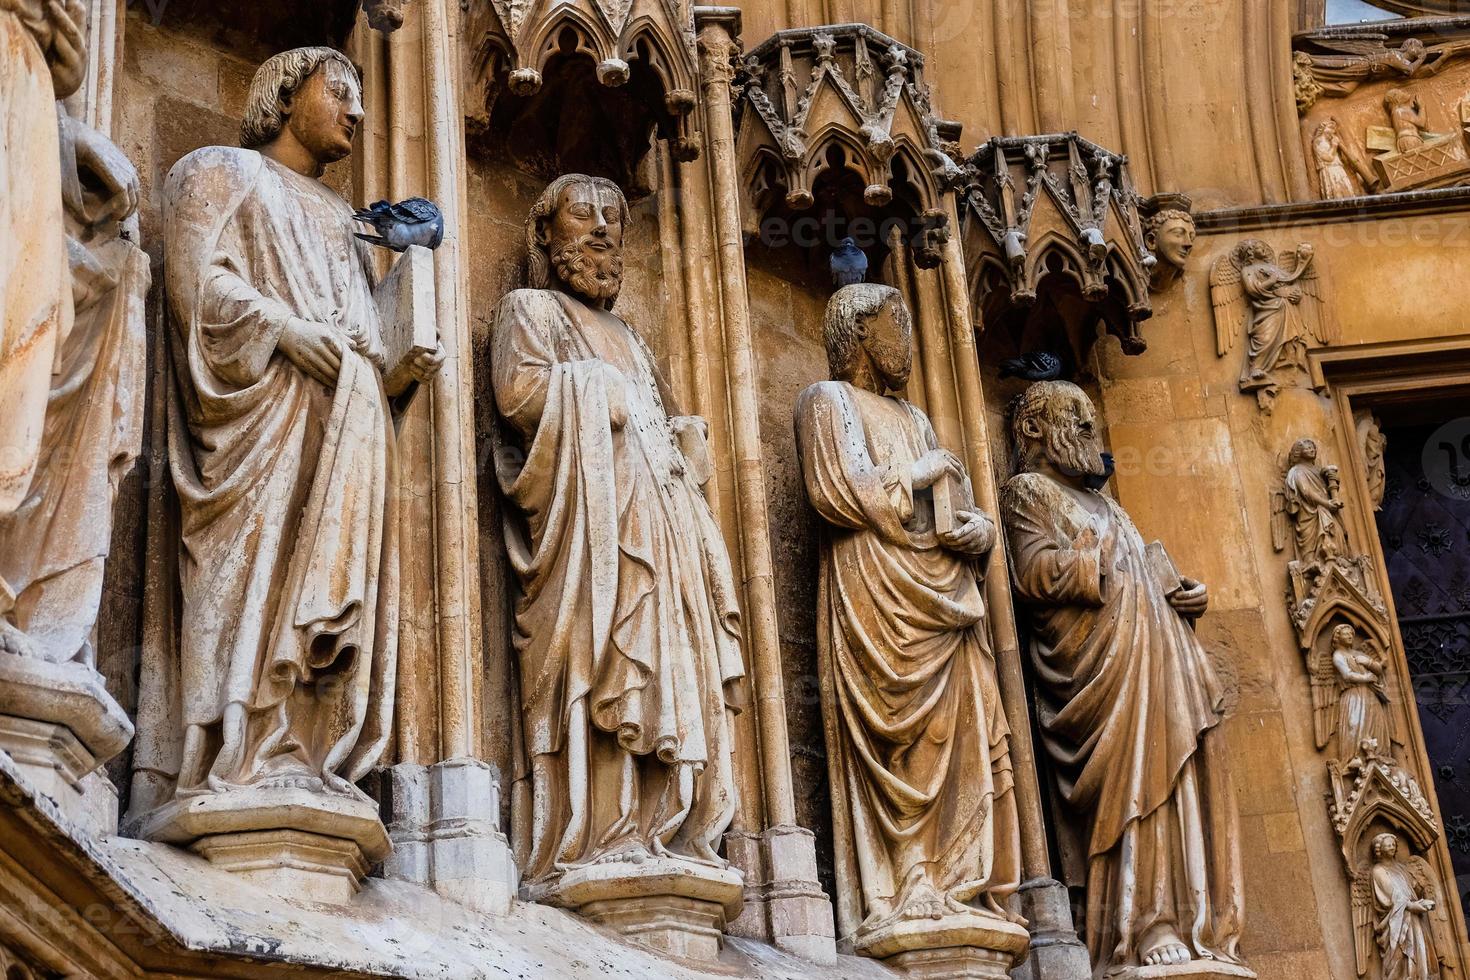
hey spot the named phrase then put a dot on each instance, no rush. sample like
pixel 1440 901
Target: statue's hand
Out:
pixel 314 348
pixel 1192 599
pixel 426 364
pixel 929 468
pixel 68 59
pixel 98 154
pixel 975 535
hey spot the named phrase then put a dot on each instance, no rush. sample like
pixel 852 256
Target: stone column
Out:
pixel 783 863
pixel 1056 952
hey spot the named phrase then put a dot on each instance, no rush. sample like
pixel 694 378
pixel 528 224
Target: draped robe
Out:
pixel 626 625
pixel 1129 710
pixel 289 561
pixel 1405 936
pixel 918 747
pixel 1276 330
pixel 1320 535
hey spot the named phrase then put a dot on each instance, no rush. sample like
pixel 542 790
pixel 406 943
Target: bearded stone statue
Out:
pixel 1128 704
pixel 626 625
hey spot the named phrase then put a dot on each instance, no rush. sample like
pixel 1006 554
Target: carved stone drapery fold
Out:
pixel 511 43
pixel 842 95
pixel 1035 205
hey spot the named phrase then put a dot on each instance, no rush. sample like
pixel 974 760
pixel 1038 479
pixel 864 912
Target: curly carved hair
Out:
pixel 274 84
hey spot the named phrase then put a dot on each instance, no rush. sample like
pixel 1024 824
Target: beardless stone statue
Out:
pixel 626 623
pixel 283 454
pixel 918 749
pixel 1128 704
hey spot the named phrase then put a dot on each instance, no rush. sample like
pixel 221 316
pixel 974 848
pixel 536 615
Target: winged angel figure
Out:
pixel 1278 303
pixel 1397 907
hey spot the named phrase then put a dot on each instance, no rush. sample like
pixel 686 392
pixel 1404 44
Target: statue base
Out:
pixel 1193 970
pixel 955 947
pixel 60 725
pixel 675 907
pixel 296 843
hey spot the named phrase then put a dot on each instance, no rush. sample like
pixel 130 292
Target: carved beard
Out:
pixel 593 274
pixel 1072 454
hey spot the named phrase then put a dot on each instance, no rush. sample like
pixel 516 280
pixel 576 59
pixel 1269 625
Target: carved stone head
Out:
pixel 1344 636
pixel 384 15
pixel 311 95
pixel 869 318
pixel 1054 421
pixel 574 238
pixel 1170 236
pixel 1385 847
pixel 1302 451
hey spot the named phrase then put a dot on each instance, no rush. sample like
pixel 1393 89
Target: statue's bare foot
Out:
pixel 336 784
pixel 629 852
pixel 1164 948
pixel 14 641
pixel 924 902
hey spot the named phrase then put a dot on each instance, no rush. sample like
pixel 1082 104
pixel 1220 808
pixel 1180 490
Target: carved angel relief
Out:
pixel 1277 304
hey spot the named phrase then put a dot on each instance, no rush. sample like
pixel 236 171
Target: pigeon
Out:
pixel 849 264
pixel 411 222
pixel 1097 481
pixel 1033 366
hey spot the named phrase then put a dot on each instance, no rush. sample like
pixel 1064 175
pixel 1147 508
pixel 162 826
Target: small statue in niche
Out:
pixel 1398 907
pixel 1129 705
pixel 918 745
pixel 1169 235
pixel 626 626
pixel 1276 304
pixel 1372 443
pixel 1349 698
pixel 1311 500
pixel 1407 119
pixel 1334 157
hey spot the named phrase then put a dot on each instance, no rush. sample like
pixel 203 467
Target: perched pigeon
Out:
pixel 1092 482
pixel 1034 366
pixel 411 222
pixel 849 264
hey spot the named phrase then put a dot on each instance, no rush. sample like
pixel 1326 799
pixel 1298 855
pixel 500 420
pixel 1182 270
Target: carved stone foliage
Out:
pixel 605 72
pixel 843 96
pixel 1275 301
pixel 1383 113
pixel 1058 204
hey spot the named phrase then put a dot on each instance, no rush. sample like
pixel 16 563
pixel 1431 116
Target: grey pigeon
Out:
pixel 411 222
pixel 849 264
pixel 1033 366
pixel 1097 482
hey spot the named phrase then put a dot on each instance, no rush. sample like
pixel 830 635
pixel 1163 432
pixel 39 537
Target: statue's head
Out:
pixel 1343 635
pixel 1302 451
pixel 868 318
pixel 574 238
pixel 1385 847
pixel 1413 47
pixel 1055 421
pixel 1327 129
pixel 1170 235
pixel 310 95
pixel 1396 98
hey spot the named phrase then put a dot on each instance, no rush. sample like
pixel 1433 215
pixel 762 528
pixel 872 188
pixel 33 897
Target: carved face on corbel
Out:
pixel 384 15
pixel 1170 237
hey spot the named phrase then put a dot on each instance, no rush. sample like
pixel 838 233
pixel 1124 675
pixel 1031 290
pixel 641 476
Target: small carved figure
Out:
pixel 1407 118
pixel 1396 907
pixel 1311 500
pixel 1351 61
pixel 385 15
pixel 1333 157
pixel 1276 304
pixel 923 811
pixel 1169 235
pixel 626 627
pixel 1349 699
pixel 1373 443
pixel 1129 705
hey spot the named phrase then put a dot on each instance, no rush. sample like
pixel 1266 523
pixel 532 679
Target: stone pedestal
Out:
pixel 955 947
pixel 784 903
pixel 445 828
pixel 1056 952
pixel 1193 970
pixel 299 844
pixel 676 907
pixel 60 725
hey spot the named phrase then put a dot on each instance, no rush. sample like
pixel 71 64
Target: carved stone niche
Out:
pixel 1384 106
pixel 845 98
pixel 581 85
pixel 1038 206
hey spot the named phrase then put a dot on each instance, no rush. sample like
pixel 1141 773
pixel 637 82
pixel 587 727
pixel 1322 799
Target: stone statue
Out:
pixel 918 745
pixel 1399 912
pixel 1278 306
pixel 626 626
pixel 1407 119
pixel 1311 499
pixel 1373 444
pixel 1333 157
pixel 1128 704
pixel 283 452
pixel 1169 235
pixel 1349 698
